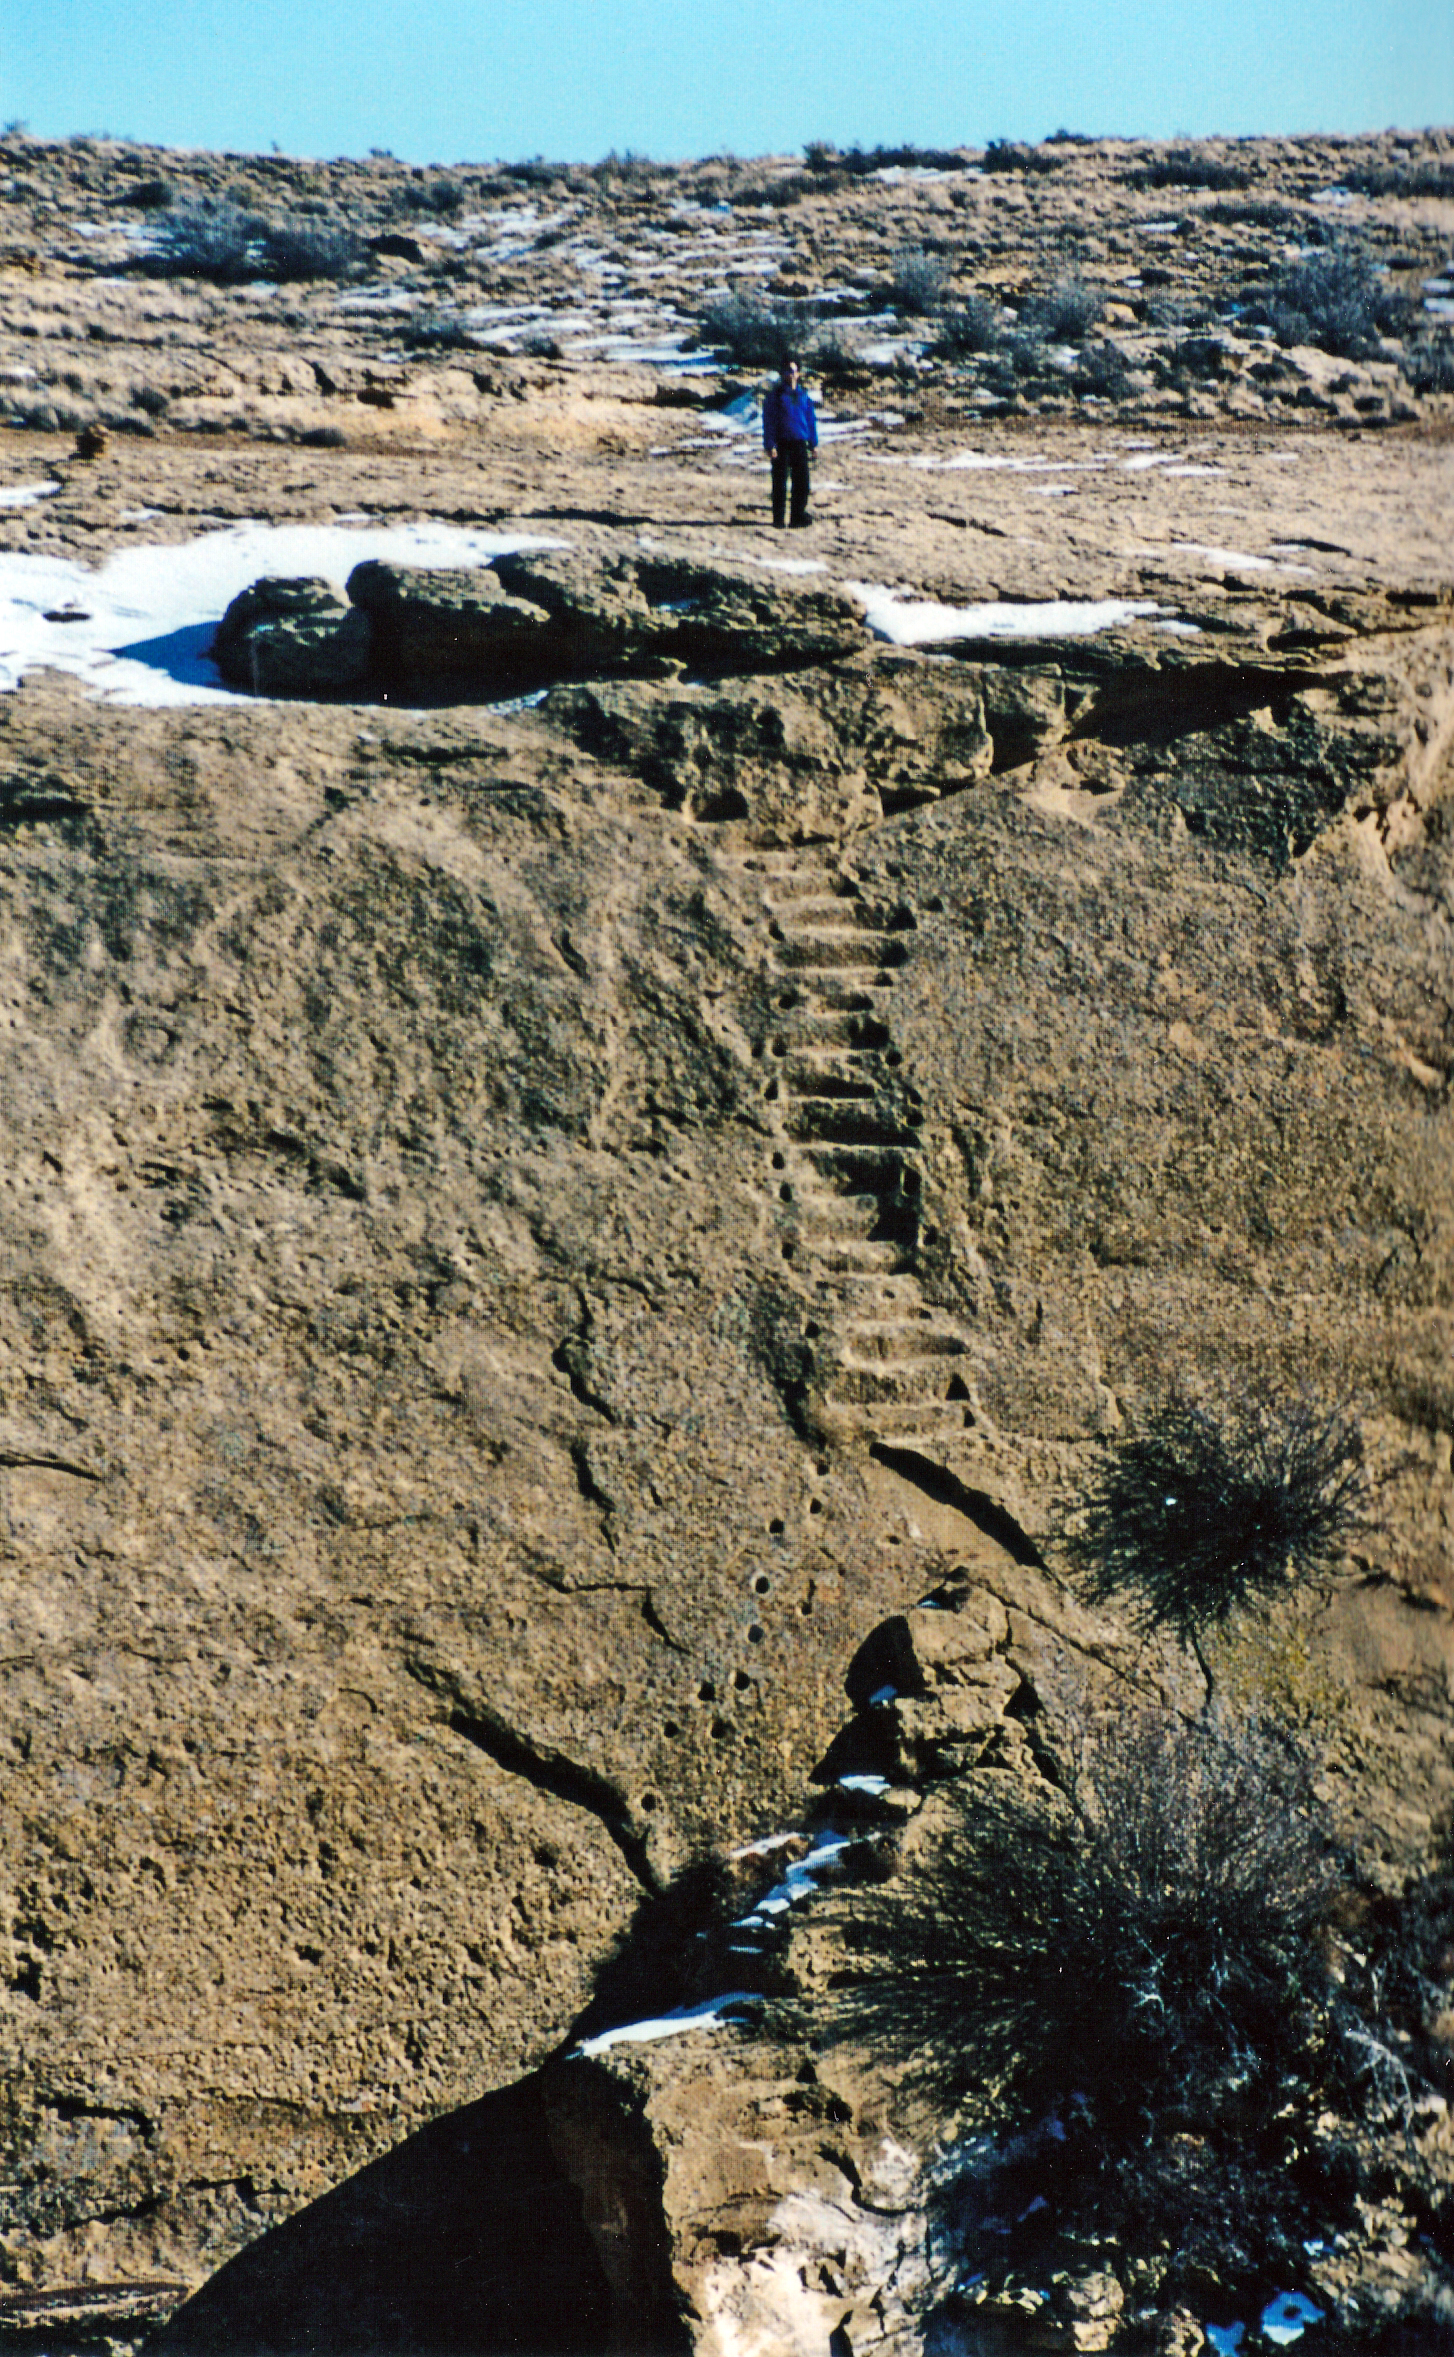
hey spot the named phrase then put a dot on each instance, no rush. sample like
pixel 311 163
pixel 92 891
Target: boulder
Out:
pixel 431 625
pixel 292 637
pixel 737 619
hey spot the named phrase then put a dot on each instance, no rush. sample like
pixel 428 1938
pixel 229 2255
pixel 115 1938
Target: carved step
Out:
pixel 907 1423
pixel 831 1078
pixel 837 1215
pixel 899 1340
pixel 857 1164
pixel 842 1121
pixel 851 1255
pixel 834 949
pixel 818 907
pixel 910 1382
pixel 811 1030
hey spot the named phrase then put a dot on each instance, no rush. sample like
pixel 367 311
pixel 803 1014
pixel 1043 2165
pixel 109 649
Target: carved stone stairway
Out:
pixel 843 1172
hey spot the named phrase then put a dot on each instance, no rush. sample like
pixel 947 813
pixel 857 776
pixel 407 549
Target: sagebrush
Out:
pixel 1132 2006
pixel 1205 1509
pixel 1337 299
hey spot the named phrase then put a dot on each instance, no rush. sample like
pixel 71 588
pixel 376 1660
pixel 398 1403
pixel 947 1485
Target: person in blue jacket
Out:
pixel 789 432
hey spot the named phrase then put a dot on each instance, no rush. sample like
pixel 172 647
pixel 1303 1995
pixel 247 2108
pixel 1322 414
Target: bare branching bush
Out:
pixel 1202 1510
pixel 1143 1939
pixel 1129 2002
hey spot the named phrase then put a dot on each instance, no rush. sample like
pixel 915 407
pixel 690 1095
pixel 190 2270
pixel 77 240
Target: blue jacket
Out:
pixel 787 416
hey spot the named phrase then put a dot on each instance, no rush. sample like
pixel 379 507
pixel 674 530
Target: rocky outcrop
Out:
pixel 522 623
pixel 285 638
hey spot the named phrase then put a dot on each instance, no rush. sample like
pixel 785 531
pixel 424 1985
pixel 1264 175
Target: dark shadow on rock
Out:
pixel 976 1505
pixel 674 1952
pixel 467 2240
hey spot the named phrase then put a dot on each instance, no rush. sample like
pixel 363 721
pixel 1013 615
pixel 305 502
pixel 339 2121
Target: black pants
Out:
pixel 791 461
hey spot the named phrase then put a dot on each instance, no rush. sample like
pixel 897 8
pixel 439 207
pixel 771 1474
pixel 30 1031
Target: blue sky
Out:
pixel 456 80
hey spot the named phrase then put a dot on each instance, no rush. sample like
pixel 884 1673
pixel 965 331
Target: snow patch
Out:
pixel 924 622
pixel 710 2015
pixel 1240 557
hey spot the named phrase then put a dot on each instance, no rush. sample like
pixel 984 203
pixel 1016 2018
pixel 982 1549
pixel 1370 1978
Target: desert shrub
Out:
pixel 973 327
pixel 1200 356
pixel 1258 212
pixel 1428 364
pixel 1184 167
pixel 1203 1510
pixel 1415 176
pixel 1068 312
pixel 858 162
pixel 1125 2005
pixel 148 196
pixel 300 248
pixel 830 350
pixel 441 331
pixel 1337 299
pixel 536 172
pixel 629 166
pixel 917 281
pixel 430 196
pixel 1020 354
pixel 1102 370
pixel 751 331
pixel 219 242
pixel 1012 155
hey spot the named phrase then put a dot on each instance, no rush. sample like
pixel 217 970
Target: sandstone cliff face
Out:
pixel 533 1234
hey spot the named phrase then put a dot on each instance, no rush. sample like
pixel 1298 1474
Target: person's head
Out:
pixel 790 372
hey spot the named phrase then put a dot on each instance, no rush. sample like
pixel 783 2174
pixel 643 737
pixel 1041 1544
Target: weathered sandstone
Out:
pixel 535 1238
